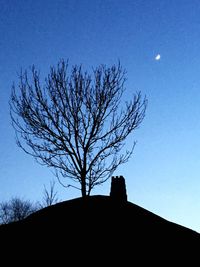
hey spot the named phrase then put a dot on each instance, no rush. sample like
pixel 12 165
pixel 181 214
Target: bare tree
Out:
pixel 49 196
pixel 74 123
pixel 15 210
pixel 4 213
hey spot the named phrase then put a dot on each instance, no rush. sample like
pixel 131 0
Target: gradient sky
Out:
pixel 163 175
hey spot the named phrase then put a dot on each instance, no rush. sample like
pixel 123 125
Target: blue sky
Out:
pixel 163 175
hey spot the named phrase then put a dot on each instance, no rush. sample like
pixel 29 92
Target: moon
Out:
pixel 157 57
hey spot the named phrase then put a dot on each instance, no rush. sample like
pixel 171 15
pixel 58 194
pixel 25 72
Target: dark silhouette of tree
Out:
pixel 15 210
pixel 73 122
pixel 49 196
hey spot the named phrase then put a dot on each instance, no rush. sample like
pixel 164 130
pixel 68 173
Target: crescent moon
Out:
pixel 157 57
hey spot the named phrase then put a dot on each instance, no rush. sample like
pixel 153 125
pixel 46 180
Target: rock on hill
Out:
pixel 103 227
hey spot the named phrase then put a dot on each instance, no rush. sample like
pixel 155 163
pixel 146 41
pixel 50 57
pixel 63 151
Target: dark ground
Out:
pixel 101 231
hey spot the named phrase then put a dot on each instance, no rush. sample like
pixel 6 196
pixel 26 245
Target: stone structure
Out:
pixel 118 188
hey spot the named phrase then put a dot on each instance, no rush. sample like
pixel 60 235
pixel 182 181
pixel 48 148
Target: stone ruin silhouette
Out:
pixel 118 188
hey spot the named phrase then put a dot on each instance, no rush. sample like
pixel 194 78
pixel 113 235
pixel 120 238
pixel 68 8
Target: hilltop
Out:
pixel 109 229
pixel 87 224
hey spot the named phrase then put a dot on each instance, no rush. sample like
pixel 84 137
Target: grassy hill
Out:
pixel 99 225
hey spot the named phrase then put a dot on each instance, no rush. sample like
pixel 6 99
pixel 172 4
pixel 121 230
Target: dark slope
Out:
pixel 98 225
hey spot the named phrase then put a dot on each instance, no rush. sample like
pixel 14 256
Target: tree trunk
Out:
pixel 83 175
pixel 83 187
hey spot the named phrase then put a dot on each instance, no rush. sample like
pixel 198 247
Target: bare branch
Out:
pixel 15 209
pixel 49 196
pixel 74 122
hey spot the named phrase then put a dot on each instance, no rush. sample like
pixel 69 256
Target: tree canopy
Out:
pixel 74 121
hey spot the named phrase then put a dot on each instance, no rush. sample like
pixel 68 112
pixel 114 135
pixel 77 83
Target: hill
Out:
pixel 102 225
